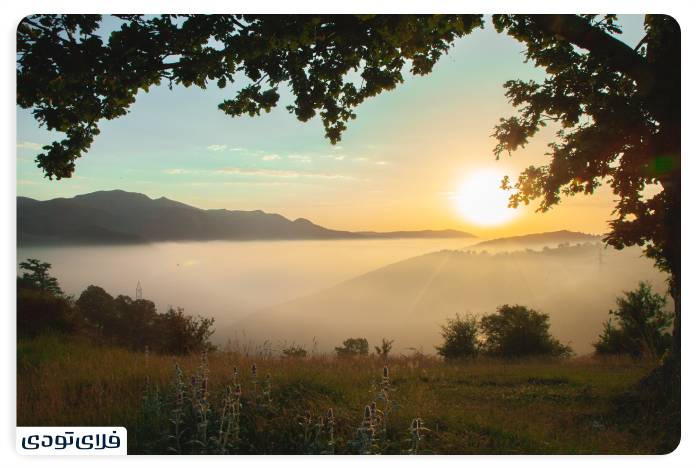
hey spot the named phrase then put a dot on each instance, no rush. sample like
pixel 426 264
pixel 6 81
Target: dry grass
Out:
pixel 482 406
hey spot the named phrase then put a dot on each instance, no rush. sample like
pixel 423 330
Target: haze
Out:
pixel 317 293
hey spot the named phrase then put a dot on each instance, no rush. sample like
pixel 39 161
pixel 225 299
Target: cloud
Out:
pixel 216 147
pixel 279 173
pixel 381 163
pixel 260 172
pixel 178 171
pixel 217 183
pixel 270 157
pixel 29 145
pixel 300 158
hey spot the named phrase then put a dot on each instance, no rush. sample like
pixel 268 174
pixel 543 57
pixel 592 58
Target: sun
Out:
pixel 480 200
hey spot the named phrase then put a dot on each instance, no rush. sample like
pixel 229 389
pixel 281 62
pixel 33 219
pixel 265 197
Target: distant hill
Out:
pixel 409 300
pixel 542 239
pixel 120 217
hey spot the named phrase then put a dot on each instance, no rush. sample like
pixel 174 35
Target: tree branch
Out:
pixel 580 32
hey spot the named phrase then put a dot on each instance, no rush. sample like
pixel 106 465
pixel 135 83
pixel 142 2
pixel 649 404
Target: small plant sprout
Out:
pixel 178 409
pixel 330 421
pixel 254 379
pixel 267 388
pixel 201 405
pixel 306 424
pixel 417 431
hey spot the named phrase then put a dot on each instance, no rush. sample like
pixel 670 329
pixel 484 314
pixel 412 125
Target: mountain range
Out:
pixel 120 217
pixel 532 241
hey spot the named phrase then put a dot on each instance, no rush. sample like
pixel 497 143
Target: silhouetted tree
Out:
pixel 517 331
pixel 36 276
pixel 295 351
pixel 353 347
pixel 181 334
pixel 385 348
pixel 98 309
pixel 460 335
pixel 642 325
pixel 40 311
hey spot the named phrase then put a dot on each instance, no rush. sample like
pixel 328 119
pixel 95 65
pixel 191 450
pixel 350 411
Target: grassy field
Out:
pixel 478 407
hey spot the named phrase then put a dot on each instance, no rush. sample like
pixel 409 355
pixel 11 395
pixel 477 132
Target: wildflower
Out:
pixel 330 430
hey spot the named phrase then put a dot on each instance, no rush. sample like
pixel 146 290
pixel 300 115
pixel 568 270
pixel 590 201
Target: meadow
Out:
pixel 252 401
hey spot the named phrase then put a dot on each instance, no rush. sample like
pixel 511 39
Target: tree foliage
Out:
pixel 517 331
pixel 642 325
pixel 135 323
pixel 385 348
pixel 72 78
pixel 460 335
pixel 42 307
pixel 295 351
pixel 36 276
pixel 40 311
pixel 353 347
pixel 618 112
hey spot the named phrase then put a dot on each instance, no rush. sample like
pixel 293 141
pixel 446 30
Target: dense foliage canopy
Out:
pixel 641 328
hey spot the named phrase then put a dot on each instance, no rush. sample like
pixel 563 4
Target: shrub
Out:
pixel 642 324
pixel 136 324
pixel 353 347
pixel 517 331
pixel 460 336
pixel 385 348
pixel 180 334
pixel 40 311
pixel 295 351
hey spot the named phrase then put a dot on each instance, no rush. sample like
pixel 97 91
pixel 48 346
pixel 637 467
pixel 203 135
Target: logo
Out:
pixel 72 440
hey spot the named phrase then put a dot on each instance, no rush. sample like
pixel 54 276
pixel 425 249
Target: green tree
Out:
pixel 182 334
pixel 36 276
pixel 460 335
pixel 353 347
pixel 98 309
pixel 643 325
pixel 517 331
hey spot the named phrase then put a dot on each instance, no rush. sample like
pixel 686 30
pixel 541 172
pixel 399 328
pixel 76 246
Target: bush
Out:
pixel 295 351
pixel 98 309
pixel 517 331
pixel 386 347
pixel 40 311
pixel 181 334
pixel 353 347
pixel 460 335
pixel 42 307
pixel 642 324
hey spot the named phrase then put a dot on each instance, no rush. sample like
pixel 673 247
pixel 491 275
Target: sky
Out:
pixel 417 157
